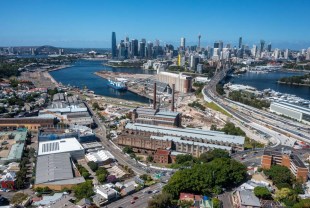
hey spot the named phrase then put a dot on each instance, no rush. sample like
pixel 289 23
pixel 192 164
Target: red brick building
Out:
pixel 291 161
pixel 162 156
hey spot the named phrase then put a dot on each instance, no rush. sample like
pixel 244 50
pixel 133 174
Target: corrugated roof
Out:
pixel 188 132
pixel 53 167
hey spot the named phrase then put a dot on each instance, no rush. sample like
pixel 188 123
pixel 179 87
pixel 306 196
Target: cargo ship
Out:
pixel 118 84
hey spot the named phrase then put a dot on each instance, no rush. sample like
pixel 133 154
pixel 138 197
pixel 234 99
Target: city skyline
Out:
pixel 71 24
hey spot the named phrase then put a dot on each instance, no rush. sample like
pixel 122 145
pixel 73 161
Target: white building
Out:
pixel 101 157
pixel 106 192
pixel 296 112
pixel 69 145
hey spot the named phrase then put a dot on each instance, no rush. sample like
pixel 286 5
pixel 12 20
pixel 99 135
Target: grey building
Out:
pixel 56 171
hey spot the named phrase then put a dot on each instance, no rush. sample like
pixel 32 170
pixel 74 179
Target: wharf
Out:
pixel 135 82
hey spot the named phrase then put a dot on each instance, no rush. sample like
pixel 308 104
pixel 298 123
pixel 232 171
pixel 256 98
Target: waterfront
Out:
pixel 81 74
pixel 263 81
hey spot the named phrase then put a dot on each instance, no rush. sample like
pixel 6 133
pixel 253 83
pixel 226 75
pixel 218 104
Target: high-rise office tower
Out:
pixel 142 48
pixel 114 53
pixel 269 47
pixel 199 37
pixel 221 45
pixel 308 54
pixel 134 48
pixel 286 54
pixel 149 50
pixel 254 50
pixel 182 45
pixel 216 45
pixel 262 45
pixel 240 42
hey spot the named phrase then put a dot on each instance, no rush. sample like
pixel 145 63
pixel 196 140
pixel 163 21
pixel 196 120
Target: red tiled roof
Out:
pixel 186 196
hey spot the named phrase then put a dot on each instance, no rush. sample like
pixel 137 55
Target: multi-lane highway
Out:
pixel 277 129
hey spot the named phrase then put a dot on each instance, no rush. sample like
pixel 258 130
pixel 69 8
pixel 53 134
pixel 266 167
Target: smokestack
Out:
pixel 154 97
pixel 172 101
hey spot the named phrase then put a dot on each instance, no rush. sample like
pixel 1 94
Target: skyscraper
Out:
pixel 183 43
pixel 216 44
pixel 269 47
pixel 142 48
pixel 240 42
pixel 199 36
pixel 114 53
pixel 262 45
pixel 134 48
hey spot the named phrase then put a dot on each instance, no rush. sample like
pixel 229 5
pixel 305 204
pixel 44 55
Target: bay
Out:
pixel 82 74
pixel 263 81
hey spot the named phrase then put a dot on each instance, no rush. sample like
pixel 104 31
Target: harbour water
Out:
pixel 81 74
pixel 263 81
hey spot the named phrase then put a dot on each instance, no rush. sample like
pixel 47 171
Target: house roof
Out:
pixel 186 196
pixel 247 198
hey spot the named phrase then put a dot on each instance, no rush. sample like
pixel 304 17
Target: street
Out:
pixel 142 201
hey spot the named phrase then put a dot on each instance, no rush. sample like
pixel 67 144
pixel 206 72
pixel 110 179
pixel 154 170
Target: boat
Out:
pixel 118 85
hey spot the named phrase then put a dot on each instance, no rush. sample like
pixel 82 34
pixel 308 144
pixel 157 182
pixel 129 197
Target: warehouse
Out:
pixel 151 137
pixel 57 172
pixel 296 112
pixel 68 145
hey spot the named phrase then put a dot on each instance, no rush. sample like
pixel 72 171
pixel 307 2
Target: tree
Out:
pixel 18 198
pixel 182 159
pixel 92 165
pixel 303 203
pixel 216 203
pixel 83 190
pixel 163 200
pixel 102 178
pixel 101 170
pixel 213 127
pixel 279 175
pixel 127 150
pixel 86 175
pixel 149 158
pixel 95 105
pixel 211 155
pixel 262 192
pixel 287 196
pixel 207 178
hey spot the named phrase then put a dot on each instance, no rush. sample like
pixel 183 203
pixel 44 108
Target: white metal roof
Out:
pixel 58 146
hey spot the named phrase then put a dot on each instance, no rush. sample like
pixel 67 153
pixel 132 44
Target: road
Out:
pixel 280 130
pixel 141 202
pixel 119 156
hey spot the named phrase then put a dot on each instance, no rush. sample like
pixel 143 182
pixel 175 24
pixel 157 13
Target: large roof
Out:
pixel 292 107
pixel 53 167
pixel 180 140
pixel 188 132
pixel 59 146
pixel 100 156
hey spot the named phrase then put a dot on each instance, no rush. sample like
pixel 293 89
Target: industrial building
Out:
pixel 30 123
pixel 102 157
pixel 183 83
pixel 296 112
pixel 57 172
pixel 81 133
pixel 66 145
pixel 156 117
pixel 12 145
pixel 291 161
pixel 148 138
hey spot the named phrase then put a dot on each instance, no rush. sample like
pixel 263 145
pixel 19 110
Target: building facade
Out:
pixel 291 161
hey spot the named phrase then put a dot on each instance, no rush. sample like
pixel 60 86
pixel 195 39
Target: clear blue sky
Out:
pixel 89 23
